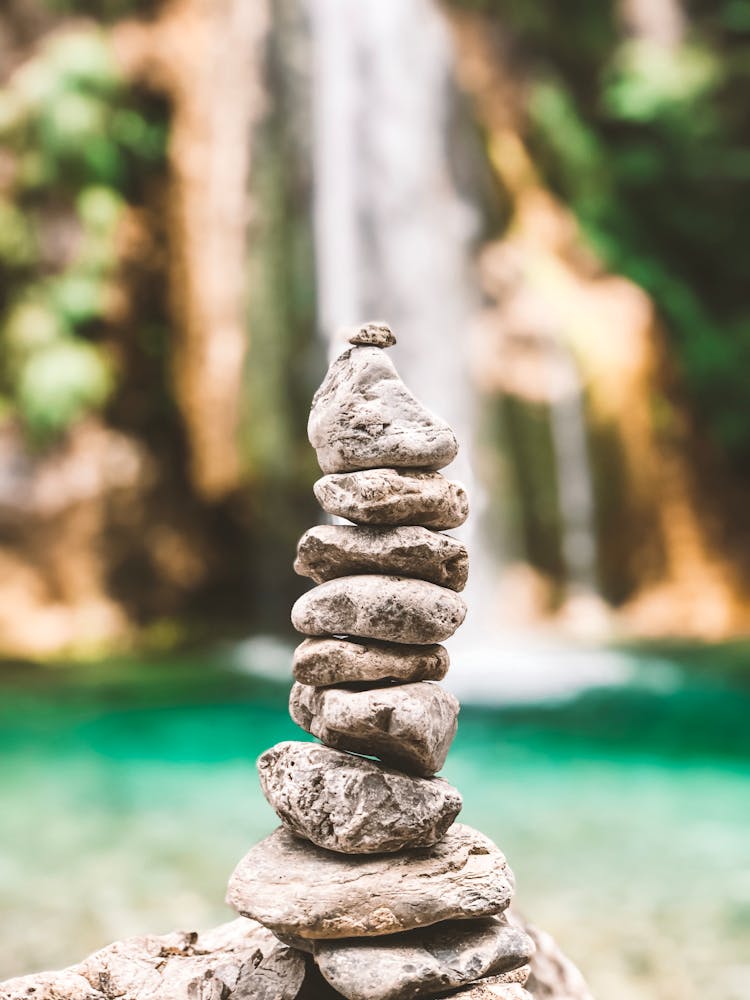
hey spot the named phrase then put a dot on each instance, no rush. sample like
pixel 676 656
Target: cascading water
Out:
pixel 394 240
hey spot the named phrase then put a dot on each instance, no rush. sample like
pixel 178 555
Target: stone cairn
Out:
pixel 368 872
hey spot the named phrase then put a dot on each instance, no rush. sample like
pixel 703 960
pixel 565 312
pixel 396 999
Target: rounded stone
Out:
pixel 363 417
pixel 392 608
pixel 299 890
pixel 410 726
pixel 329 551
pixel 423 962
pixel 322 662
pixel 353 805
pixel 394 497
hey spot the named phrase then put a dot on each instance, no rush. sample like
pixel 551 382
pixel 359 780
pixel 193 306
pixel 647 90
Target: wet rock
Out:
pixel 391 608
pixel 329 551
pixel 363 416
pixel 298 889
pixel 239 959
pixel 423 962
pixel 410 726
pixel 373 335
pixel 394 497
pixel 353 805
pixel 339 661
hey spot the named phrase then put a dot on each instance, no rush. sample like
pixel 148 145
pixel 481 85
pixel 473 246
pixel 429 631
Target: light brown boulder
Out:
pixel 329 551
pixel 363 416
pixel 394 497
pixel 423 962
pixel 410 726
pixel 354 805
pixel 298 889
pixel 239 959
pixel 322 662
pixel 391 608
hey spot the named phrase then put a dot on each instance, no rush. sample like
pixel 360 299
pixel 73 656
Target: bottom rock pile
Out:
pixel 243 961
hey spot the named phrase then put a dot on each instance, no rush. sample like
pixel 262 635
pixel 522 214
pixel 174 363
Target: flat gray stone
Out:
pixel 240 959
pixel 391 608
pixel 423 962
pixel 373 335
pixel 394 497
pixel 363 416
pixel 340 661
pixel 295 888
pixel 329 551
pixel 410 726
pixel 354 805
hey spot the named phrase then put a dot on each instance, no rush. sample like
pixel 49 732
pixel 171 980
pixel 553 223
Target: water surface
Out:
pixel 128 793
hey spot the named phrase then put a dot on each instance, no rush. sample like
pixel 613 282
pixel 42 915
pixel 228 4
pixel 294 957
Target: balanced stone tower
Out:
pixel 368 872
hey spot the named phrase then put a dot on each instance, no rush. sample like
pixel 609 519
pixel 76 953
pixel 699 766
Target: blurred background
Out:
pixel 550 206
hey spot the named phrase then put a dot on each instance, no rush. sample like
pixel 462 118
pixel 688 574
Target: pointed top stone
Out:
pixel 364 417
pixel 373 335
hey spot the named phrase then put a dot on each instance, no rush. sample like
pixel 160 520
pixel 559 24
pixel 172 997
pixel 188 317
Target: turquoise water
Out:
pixel 128 792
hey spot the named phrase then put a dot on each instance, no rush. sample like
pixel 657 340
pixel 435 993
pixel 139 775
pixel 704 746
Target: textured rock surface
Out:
pixel 353 805
pixel 391 608
pixel 489 990
pixel 410 726
pixel 394 497
pixel 333 550
pixel 338 661
pixel 298 889
pixel 422 962
pixel 363 416
pixel 373 334
pixel 240 959
pixel 553 975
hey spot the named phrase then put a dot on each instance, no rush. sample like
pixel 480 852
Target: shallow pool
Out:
pixel 128 792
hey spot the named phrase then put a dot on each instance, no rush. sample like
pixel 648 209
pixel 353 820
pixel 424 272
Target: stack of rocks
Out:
pixel 369 873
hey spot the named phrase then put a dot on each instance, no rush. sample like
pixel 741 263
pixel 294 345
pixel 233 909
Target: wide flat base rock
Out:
pixel 424 962
pixel 410 726
pixel 394 497
pixel 322 662
pixel 390 608
pixel 363 416
pixel 240 959
pixel 298 889
pixel 328 551
pixel 354 805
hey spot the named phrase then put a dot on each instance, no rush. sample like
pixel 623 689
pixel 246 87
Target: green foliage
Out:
pixel 79 142
pixel 649 144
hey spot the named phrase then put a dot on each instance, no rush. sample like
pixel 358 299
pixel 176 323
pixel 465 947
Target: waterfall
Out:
pixel 394 240
pixel 575 490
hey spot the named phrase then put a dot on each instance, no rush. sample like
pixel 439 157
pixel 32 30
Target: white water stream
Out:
pixel 394 241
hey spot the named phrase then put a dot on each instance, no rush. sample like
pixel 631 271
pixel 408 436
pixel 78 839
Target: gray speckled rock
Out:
pixel 423 962
pixel 391 608
pixel 241 959
pixel 333 550
pixel 354 805
pixel 363 416
pixel 373 335
pixel 394 497
pixel 340 661
pixel 297 889
pixel 491 989
pixel 410 726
